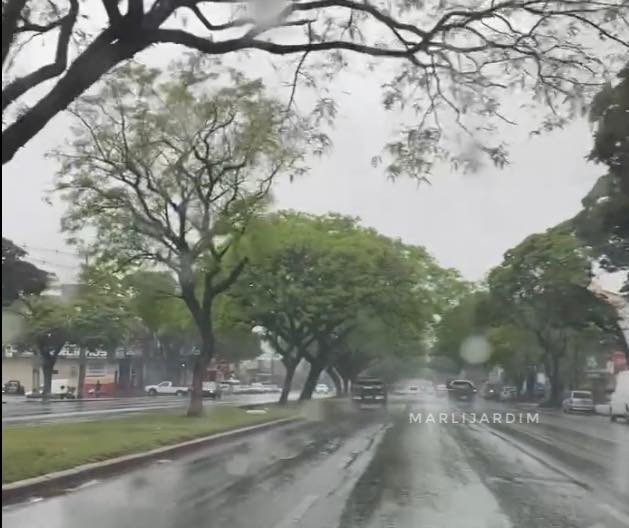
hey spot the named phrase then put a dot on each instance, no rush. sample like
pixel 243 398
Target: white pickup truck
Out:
pixel 166 387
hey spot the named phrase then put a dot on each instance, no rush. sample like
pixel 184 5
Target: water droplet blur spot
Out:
pixel 475 350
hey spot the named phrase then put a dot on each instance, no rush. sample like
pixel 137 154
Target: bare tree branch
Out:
pixel 22 84
pixel 113 12
pixel 472 45
pixel 10 15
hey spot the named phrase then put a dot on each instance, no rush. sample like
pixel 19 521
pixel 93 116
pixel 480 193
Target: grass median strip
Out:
pixel 37 450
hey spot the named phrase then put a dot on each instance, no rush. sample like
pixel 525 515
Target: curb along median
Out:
pixel 68 478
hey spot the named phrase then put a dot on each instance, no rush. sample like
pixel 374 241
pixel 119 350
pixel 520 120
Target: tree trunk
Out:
pixel 554 379
pixel 48 364
pixel 336 379
pixel 531 383
pixel 82 368
pixel 519 383
pixel 311 381
pixel 290 366
pixel 195 407
pixel 345 386
pixel 172 367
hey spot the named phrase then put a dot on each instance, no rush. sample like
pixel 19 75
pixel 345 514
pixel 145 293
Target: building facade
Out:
pixel 118 375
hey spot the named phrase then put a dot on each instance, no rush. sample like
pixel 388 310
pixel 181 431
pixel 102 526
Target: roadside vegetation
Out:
pixel 40 449
pixel 537 310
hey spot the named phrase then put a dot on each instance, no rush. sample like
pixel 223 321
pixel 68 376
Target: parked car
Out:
pixel 508 393
pixel 166 387
pixel 211 389
pixel 322 388
pixel 619 402
pixel 369 390
pixel 462 390
pixel 13 387
pixel 579 401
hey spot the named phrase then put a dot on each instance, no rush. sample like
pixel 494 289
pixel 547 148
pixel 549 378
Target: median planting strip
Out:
pixel 37 457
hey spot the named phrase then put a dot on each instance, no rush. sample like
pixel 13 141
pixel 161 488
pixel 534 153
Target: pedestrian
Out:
pixel 97 388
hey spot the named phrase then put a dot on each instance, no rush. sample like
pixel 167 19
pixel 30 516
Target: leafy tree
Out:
pixel 462 57
pixel 611 139
pixel 394 368
pixel 103 306
pixel 290 289
pixel 170 175
pixel 164 329
pixel 465 319
pixel 235 340
pixel 102 318
pixel 604 221
pixel 19 277
pixel 48 326
pixel 365 345
pixel 515 349
pixel 333 293
pixel 543 286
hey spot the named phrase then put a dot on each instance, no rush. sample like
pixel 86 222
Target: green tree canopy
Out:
pixel 328 290
pixel 169 173
pixel 19 277
pixel 604 221
pixel 543 285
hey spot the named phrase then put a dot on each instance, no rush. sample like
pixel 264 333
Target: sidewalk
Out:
pixel 66 400
pixel 600 408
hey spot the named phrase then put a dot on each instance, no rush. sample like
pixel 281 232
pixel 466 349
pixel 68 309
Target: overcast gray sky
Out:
pixel 465 221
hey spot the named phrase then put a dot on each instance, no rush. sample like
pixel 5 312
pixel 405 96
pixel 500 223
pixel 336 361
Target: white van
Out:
pixel 59 388
pixel 619 403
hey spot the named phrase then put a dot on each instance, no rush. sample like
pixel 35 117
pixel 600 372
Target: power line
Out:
pixel 29 248
pixel 55 264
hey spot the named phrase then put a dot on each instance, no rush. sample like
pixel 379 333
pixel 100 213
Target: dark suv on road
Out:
pixel 461 390
pixel 369 390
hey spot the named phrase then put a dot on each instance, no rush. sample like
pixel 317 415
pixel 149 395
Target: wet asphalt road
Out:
pixel 20 411
pixel 370 469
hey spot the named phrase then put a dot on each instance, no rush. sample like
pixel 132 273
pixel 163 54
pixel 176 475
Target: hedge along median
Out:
pixel 41 449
